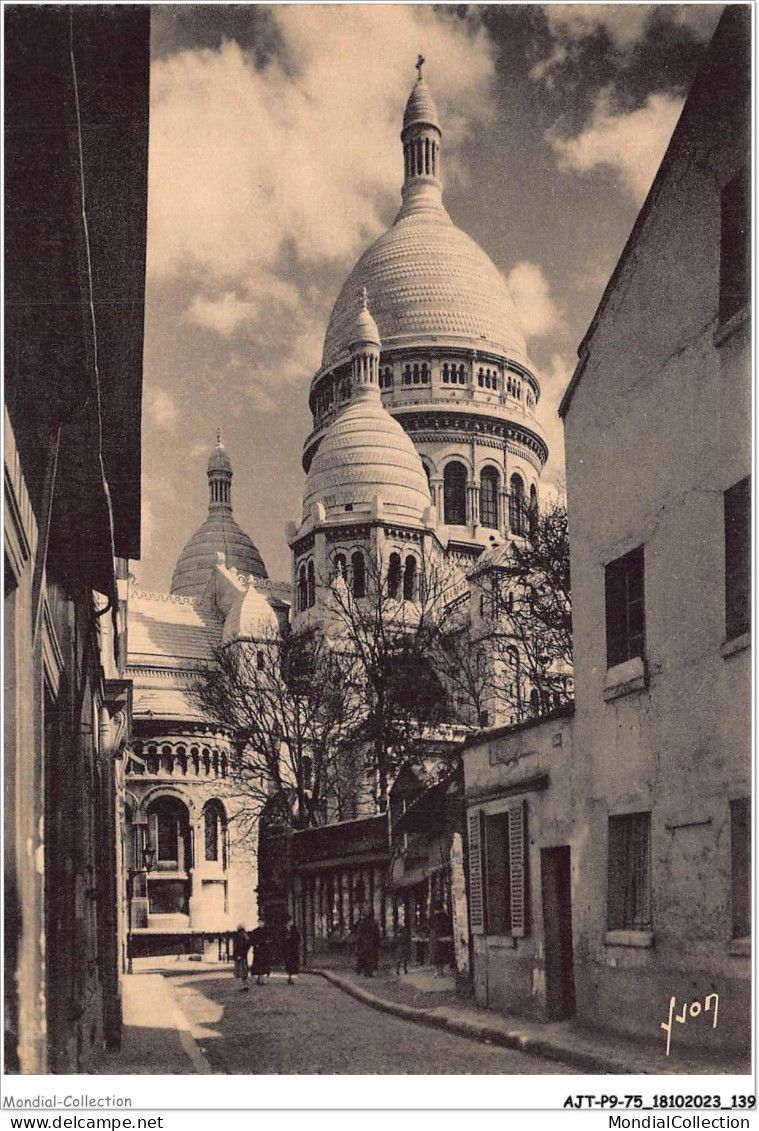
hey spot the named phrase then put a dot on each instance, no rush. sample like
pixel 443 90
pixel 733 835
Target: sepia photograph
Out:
pixel 377 617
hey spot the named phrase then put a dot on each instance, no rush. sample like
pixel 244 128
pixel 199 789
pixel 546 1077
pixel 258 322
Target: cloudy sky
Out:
pixel 275 160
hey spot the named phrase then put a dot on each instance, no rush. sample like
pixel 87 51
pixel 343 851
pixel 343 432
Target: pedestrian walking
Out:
pixel 402 948
pixel 240 954
pixel 439 929
pixel 292 951
pixel 261 953
pixel 367 945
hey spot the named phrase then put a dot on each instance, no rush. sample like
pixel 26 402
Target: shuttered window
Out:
pixel 476 900
pixel 498 892
pixel 517 841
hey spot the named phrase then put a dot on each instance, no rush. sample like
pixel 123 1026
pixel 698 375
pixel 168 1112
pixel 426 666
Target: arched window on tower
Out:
pixel 358 573
pixel 489 484
pixel 302 589
pixel 409 578
pixel 215 832
pixel 340 567
pixel 454 494
pixel 533 511
pixel 394 575
pixel 516 505
pixel 310 586
pixel 169 834
pixel 446 374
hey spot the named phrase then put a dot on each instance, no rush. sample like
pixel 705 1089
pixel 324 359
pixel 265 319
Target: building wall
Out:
pixel 219 897
pixel 656 431
pixel 534 764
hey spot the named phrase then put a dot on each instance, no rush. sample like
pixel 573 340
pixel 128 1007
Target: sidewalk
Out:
pixel 155 1039
pixel 421 997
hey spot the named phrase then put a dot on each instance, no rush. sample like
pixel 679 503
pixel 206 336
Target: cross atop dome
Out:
pixel 419 64
pixel 219 441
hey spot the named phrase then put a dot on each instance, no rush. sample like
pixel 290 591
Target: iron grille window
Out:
pixel 359 575
pixel 516 505
pixel 629 902
pixel 740 846
pixel 738 559
pixel 394 575
pixel 735 246
pixel 625 608
pixel 489 497
pixel 454 494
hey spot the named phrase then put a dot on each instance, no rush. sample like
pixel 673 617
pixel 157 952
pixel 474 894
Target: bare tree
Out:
pixel 527 612
pixel 289 712
pixel 386 625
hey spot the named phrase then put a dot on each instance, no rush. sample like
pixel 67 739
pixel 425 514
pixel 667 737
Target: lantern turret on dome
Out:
pixel 421 136
pixel 453 369
pixel 218 534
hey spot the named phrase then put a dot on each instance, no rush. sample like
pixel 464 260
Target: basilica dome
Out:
pixel 363 455
pixel 219 533
pixel 429 280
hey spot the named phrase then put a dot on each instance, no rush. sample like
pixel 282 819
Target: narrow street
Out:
pixel 312 1027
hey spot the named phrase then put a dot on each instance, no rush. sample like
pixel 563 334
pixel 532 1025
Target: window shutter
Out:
pixel 476 892
pixel 517 856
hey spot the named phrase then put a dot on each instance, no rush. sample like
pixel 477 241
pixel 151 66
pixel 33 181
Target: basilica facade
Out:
pixel 191 867
pixel 424 462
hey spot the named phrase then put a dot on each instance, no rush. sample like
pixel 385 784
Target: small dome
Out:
pixel 218 459
pixel 365 454
pixel 365 330
pixel 420 108
pixel 198 559
pixel 251 618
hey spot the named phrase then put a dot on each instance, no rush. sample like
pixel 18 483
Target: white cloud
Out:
pixel 160 407
pixel 553 383
pixel 225 313
pixel 244 161
pixel 624 22
pixel 631 144
pixel 531 292
pixel 260 401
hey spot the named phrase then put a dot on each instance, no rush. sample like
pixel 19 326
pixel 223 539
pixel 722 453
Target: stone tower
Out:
pixel 453 367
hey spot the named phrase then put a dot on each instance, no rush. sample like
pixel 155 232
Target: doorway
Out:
pixel 557 928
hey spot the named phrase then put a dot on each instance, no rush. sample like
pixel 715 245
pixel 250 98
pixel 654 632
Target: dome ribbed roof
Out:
pixel 420 107
pixel 428 279
pixel 219 460
pixel 198 559
pixel 365 454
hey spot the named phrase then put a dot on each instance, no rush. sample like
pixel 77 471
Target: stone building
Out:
pixel 641 815
pixel 76 176
pixel 190 853
pixel 453 368
pixel 424 462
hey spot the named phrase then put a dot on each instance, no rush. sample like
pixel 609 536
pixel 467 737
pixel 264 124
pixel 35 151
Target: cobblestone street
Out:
pixel 311 1027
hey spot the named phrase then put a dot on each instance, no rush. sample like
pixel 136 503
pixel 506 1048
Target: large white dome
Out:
pixel 427 280
pixel 364 455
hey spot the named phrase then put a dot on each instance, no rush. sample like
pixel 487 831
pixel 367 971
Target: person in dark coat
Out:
pixel 402 948
pixel 261 953
pixel 367 945
pixel 292 951
pixel 439 929
pixel 240 954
